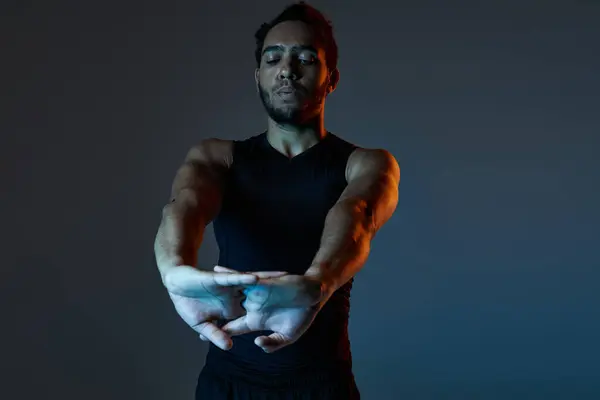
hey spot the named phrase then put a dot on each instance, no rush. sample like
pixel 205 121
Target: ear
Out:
pixel 257 77
pixel 334 78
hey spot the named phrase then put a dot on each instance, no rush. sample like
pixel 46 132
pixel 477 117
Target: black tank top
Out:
pixel 272 219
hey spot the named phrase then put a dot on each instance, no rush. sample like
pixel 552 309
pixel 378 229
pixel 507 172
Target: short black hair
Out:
pixel 310 16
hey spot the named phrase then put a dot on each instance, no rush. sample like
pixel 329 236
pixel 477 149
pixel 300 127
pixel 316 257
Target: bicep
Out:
pixel 199 180
pixel 373 180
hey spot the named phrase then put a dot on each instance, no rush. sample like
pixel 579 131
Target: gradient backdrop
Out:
pixel 484 285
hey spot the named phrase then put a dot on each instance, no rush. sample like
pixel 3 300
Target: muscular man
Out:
pixel 294 211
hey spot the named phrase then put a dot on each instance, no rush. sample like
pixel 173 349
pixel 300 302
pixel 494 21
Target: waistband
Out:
pixel 313 374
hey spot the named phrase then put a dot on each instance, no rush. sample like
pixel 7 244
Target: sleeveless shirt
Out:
pixel 271 219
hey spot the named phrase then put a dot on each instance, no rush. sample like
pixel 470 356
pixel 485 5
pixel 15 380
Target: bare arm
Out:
pixel 195 201
pixel 364 207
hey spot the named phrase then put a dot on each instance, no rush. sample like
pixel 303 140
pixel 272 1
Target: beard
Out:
pixel 296 114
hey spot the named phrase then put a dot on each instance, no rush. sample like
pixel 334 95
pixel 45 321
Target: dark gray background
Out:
pixel 484 285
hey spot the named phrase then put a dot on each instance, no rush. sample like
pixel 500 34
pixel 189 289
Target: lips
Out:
pixel 286 90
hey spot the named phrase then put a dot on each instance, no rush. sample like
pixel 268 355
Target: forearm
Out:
pixel 196 197
pixel 179 235
pixel 364 207
pixel 345 245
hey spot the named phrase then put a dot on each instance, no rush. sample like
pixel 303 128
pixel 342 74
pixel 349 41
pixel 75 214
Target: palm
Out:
pixel 288 291
pixel 208 306
pixel 288 322
pixel 287 325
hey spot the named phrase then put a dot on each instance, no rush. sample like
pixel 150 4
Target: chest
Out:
pixel 274 208
pixel 278 188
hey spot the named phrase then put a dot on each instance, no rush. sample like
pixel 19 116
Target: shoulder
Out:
pixel 220 152
pixel 364 161
pixel 211 151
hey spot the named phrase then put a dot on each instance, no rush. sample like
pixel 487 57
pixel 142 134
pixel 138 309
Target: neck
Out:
pixel 292 140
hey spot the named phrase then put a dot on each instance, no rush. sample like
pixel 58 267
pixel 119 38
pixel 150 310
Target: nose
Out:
pixel 288 71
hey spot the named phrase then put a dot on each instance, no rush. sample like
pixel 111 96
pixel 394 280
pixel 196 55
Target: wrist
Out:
pixel 324 281
pixel 167 264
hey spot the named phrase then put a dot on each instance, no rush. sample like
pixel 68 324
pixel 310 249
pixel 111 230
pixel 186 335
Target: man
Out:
pixel 294 210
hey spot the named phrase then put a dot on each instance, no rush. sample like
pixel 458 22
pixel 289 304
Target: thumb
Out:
pixel 210 332
pixel 219 268
pixel 268 274
pixel 260 274
pixel 191 282
pixel 237 326
pixel 273 342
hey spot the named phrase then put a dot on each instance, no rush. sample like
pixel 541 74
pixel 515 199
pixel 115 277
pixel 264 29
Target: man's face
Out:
pixel 293 79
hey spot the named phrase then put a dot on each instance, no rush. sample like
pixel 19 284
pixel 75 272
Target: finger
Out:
pixel 268 274
pixel 250 306
pixel 260 274
pixel 219 268
pixel 213 334
pixel 257 294
pixel 233 279
pixel 220 322
pixel 237 327
pixel 188 281
pixel 273 342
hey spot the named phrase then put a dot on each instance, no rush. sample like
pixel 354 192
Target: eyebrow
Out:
pixel 295 48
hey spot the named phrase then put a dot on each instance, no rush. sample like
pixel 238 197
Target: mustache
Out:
pixel 289 85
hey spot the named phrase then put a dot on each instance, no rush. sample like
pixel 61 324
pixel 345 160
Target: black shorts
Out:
pixel 217 384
